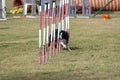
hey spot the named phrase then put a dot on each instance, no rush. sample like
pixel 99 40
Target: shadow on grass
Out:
pixel 75 48
pixel 4 28
pixel 62 75
pixel 4 45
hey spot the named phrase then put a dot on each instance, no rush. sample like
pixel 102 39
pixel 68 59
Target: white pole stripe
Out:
pixel 40 29
pixel 40 39
pixel 44 29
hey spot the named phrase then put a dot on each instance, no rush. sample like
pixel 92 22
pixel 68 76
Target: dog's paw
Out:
pixel 69 49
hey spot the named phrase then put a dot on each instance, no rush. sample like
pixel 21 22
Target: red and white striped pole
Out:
pixel 52 31
pixel 59 28
pixel 63 6
pixel 44 31
pixel 62 19
pixel 45 34
pixel 53 23
pixel 67 16
pixel 59 25
pixel 47 30
pixel 41 53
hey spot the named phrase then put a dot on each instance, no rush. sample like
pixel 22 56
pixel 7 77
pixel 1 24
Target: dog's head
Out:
pixel 64 37
pixel 63 43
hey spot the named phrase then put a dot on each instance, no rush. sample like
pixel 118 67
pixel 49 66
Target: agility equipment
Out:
pixel 48 26
pixel 43 34
pixel 26 4
pixel 29 3
pixel 106 16
pixel 102 8
pixel 2 10
pixel 97 4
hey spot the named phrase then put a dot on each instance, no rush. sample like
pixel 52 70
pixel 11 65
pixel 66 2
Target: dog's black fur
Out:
pixel 63 36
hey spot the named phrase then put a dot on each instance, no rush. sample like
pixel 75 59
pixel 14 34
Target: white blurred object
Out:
pixel 2 10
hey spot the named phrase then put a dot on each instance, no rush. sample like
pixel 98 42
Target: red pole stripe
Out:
pixel 53 14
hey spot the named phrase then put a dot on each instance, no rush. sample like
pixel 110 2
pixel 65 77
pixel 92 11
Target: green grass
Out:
pixel 95 54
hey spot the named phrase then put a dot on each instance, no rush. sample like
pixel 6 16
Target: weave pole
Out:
pixel 60 24
pixel 45 31
pixel 67 20
pixel 44 34
pixel 51 41
pixel 63 6
pixel 55 47
pixel 67 16
pixel 41 55
pixel 52 48
pixel 59 27
pixel 62 19
pixel 48 25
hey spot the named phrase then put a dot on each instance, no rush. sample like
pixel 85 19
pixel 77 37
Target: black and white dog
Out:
pixel 63 36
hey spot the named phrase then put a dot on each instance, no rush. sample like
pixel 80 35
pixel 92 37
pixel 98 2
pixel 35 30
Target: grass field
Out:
pixel 95 54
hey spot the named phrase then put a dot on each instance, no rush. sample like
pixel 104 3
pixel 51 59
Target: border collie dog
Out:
pixel 63 36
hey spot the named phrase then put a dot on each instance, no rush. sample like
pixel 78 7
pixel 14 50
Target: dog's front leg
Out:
pixel 68 48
